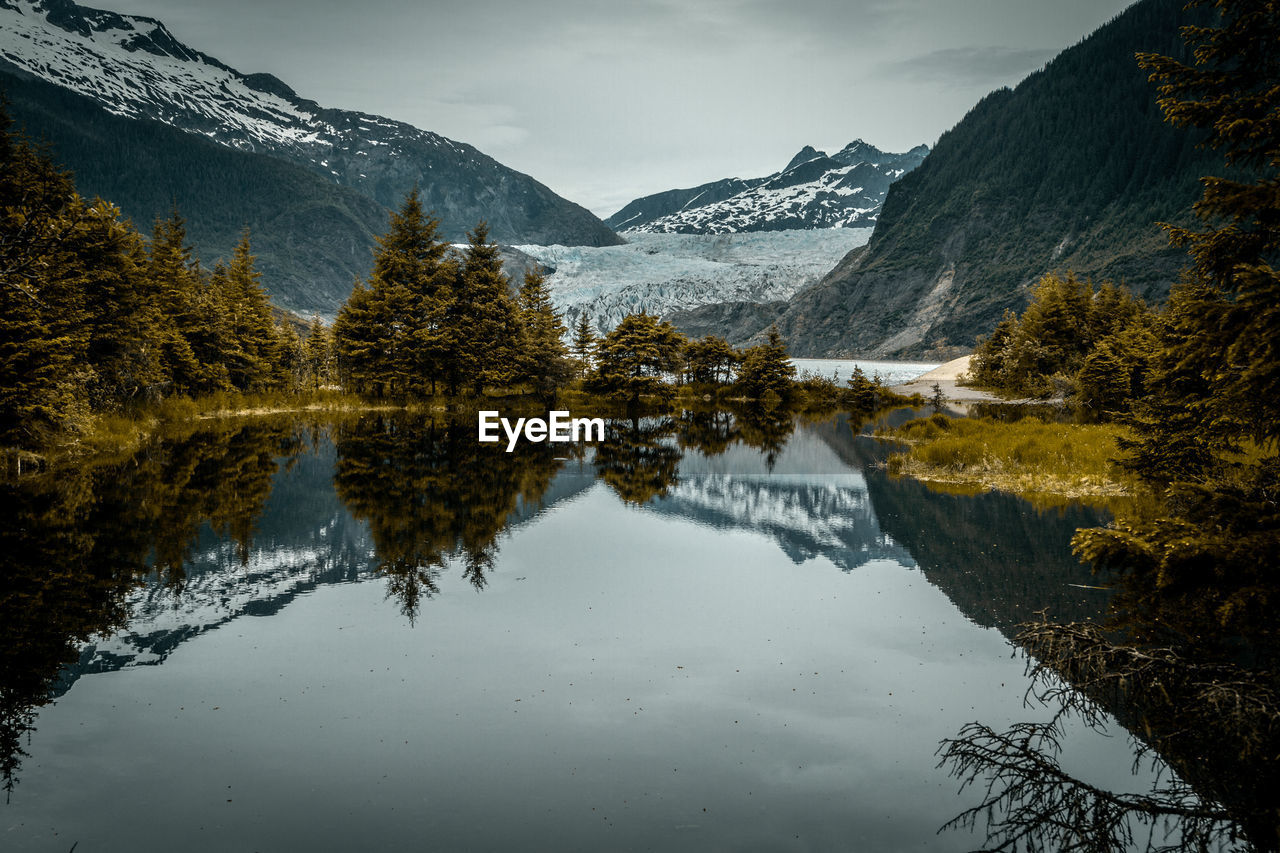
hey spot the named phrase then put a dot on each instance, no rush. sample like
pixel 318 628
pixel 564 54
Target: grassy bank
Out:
pixel 1027 457
pixel 125 431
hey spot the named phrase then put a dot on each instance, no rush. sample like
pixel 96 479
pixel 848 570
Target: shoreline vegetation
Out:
pixel 1040 461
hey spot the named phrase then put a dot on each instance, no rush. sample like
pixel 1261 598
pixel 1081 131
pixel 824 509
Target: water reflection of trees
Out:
pixel 430 492
pixel 1204 706
pixel 1202 703
pixel 1214 725
pixel 640 456
pixel 74 542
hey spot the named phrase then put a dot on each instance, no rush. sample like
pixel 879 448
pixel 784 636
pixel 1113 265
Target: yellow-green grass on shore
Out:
pixel 1028 457
pixel 124 432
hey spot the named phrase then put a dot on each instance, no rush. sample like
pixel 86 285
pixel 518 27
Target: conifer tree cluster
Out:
pixel 432 320
pixel 94 317
pixel 647 356
pixel 1209 430
pixel 1095 345
pixel 429 319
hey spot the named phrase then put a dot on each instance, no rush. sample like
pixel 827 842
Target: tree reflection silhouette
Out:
pixel 637 458
pixel 74 542
pixel 430 492
pixel 1212 722
pixel 709 431
pixel 767 430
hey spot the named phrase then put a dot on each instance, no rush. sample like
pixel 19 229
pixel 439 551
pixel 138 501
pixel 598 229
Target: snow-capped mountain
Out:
pixel 843 190
pixel 133 66
pixel 666 273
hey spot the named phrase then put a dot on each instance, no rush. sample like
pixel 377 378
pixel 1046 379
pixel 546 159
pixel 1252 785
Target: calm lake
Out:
pixel 702 634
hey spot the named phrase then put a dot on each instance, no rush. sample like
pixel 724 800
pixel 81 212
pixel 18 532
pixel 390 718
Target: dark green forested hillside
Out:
pixel 1069 171
pixel 312 238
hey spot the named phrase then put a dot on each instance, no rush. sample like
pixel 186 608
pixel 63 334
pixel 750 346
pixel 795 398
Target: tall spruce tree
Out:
pixel 410 277
pixel 253 329
pixel 543 357
pixel 392 335
pixel 482 319
pixel 43 335
pixel 192 348
pixel 360 335
pixel 584 344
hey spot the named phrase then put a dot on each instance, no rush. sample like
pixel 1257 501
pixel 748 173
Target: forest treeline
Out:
pixel 95 317
pixel 1197 380
pixel 1094 347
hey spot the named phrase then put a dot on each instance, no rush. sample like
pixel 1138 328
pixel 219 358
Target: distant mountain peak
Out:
pixel 814 190
pixel 806 154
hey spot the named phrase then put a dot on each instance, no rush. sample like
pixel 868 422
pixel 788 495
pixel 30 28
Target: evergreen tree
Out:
pixel 290 357
pixel 584 344
pixel 411 278
pixel 360 335
pixel 863 392
pixel 482 319
pixel 1103 385
pixel 44 229
pixel 126 328
pixel 767 369
pixel 636 356
pixel 1230 92
pixel 253 330
pixel 1216 377
pixel 392 335
pixel 543 357
pixel 192 349
pixel 710 360
pixel 317 354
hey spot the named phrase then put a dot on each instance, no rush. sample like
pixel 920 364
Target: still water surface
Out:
pixel 698 636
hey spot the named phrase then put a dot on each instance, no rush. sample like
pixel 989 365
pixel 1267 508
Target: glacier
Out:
pixel 661 273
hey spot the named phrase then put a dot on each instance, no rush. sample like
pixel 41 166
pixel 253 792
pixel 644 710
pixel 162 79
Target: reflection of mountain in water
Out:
pixel 811 502
pixel 994 556
pixel 305 538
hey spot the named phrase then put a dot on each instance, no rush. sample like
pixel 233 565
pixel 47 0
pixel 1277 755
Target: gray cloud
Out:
pixel 968 66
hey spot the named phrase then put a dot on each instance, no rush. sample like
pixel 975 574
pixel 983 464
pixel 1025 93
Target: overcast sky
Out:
pixel 607 101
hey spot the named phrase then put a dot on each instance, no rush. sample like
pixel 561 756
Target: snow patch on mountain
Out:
pixel 815 190
pixel 133 66
pixel 662 273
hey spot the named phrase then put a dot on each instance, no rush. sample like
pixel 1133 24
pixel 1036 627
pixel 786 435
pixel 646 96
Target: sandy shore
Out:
pixel 945 375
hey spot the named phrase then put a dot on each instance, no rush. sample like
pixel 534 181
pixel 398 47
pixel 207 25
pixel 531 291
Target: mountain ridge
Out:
pixel 1070 170
pixel 133 66
pixel 814 190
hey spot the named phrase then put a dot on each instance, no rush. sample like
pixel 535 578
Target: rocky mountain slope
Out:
pixel 133 68
pixel 312 237
pixel 843 190
pixel 1071 170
